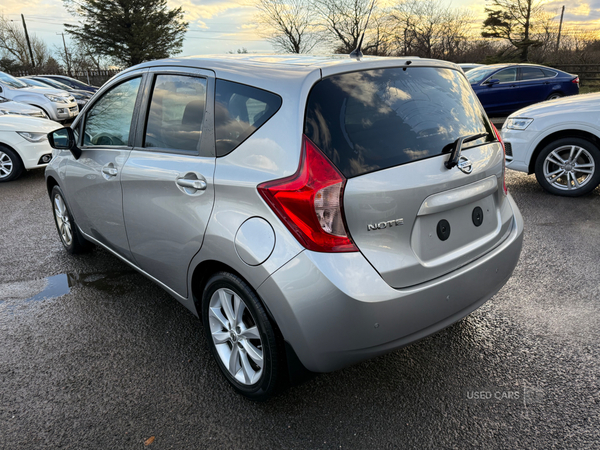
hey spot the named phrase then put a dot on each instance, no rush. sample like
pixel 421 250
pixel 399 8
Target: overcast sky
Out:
pixel 218 26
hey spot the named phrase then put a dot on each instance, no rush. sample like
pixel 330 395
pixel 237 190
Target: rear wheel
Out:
pixel 11 165
pixel 241 337
pixel 554 96
pixel 68 232
pixel 569 167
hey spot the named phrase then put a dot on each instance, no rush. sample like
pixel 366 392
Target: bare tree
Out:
pixel 344 21
pixel 80 57
pixel 13 47
pixel 430 29
pixel 516 21
pixel 289 25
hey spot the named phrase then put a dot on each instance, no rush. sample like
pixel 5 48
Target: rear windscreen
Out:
pixel 375 119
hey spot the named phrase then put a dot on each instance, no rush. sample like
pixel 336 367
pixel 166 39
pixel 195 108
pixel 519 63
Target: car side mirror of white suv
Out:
pixel 64 139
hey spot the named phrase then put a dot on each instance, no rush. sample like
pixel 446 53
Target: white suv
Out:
pixel 58 105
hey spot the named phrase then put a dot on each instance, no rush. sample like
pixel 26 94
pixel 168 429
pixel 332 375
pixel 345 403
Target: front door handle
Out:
pixel 110 171
pixel 199 185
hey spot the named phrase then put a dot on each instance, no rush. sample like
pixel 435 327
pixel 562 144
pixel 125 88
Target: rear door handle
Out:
pixel 199 185
pixel 110 171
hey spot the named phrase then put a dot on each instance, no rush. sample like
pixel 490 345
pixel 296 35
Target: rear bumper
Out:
pixel 335 309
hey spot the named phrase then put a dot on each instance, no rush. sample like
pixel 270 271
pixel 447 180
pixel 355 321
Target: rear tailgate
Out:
pixel 389 131
pixel 393 215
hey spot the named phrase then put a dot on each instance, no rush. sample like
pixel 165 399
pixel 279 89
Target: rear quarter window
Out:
pixel 376 119
pixel 240 110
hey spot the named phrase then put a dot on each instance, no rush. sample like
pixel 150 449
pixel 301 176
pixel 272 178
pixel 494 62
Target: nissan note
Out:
pixel 312 211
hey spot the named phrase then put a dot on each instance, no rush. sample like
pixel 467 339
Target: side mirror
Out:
pixel 492 82
pixel 64 139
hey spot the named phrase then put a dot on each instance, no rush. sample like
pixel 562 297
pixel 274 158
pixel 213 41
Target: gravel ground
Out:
pixel 117 363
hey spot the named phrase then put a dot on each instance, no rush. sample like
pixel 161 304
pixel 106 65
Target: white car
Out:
pixel 21 109
pixel 24 144
pixel 468 66
pixel 58 105
pixel 559 141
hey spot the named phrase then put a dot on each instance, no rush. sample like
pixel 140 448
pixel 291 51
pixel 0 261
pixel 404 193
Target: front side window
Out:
pixel 108 122
pixel 239 111
pixel 176 112
pixel 506 75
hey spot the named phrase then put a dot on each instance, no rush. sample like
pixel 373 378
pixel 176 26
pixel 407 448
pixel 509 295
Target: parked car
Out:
pixel 80 96
pixel 23 144
pixel 469 66
pixel 21 109
pixel 314 212
pixel 73 82
pixel 58 105
pixel 559 141
pixel 505 88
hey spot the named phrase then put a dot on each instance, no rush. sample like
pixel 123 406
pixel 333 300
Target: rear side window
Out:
pixel 239 111
pixel 375 119
pixel 176 113
pixel 531 73
pixel 549 73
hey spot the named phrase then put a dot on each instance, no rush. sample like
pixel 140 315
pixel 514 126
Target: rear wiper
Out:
pixel 455 155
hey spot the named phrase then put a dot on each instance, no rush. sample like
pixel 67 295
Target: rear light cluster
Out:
pixel 309 202
pixel 503 160
pixel 575 80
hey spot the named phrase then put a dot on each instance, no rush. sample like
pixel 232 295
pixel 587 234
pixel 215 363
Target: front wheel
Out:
pixel 241 337
pixel 69 234
pixel 568 167
pixel 11 165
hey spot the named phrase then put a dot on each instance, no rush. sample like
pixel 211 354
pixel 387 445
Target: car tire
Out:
pixel 11 166
pixel 242 340
pixel 67 229
pixel 556 167
pixel 554 96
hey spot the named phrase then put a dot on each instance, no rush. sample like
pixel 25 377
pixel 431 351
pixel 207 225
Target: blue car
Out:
pixel 505 88
pixel 73 83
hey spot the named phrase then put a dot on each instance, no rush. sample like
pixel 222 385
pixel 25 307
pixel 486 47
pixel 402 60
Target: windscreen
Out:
pixel 12 81
pixel 376 119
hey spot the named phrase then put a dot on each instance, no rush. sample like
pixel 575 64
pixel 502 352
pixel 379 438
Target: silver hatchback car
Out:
pixel 313 212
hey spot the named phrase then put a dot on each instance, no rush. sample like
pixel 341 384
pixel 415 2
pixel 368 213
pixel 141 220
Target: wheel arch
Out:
pixel 200 276
pixel 50 183
pixel 5 145
pixel 592 138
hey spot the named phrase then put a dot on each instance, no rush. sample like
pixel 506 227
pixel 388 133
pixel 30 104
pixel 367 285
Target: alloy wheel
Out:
pixel 569 167
pixel 236 336
pixel 6 165
pixel 62 220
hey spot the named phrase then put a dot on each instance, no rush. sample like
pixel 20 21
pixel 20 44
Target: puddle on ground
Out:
pixel 56 286
pixel 61 284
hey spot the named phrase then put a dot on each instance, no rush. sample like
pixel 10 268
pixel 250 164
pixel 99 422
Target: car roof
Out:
pixel 292 66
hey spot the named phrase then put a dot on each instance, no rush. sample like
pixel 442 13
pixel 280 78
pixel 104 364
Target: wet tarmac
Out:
pixel 94 356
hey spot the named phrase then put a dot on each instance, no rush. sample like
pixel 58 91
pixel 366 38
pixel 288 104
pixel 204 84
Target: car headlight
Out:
pixel 33 136
pixel 6 111
pixel 56 98
pixel 517 123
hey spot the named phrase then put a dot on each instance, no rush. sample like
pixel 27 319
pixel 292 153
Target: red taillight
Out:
pixel 309 202
pixel 575 80
pixel 504 160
